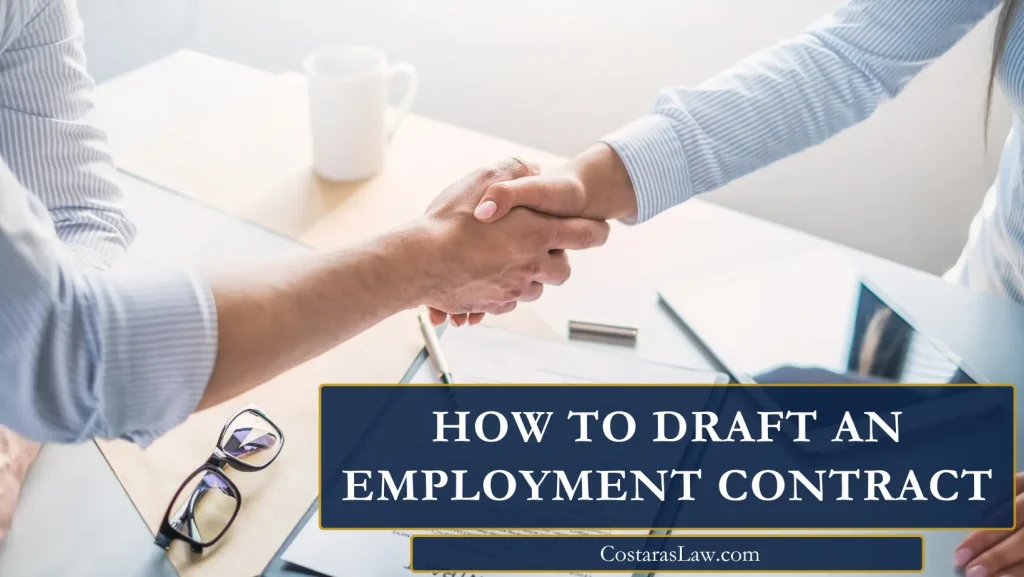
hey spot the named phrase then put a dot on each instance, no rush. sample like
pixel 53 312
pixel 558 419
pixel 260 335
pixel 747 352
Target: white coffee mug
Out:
pixel 348 92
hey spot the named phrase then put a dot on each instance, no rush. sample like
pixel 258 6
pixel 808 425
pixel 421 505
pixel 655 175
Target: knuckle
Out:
pixel 498 191
pixel 534 293
pixel 500 308
pixel 551 235
pixel 565 273
pixel 534 268
pixel 991 560
pixel 1000 555
pixel 989 539
pixel 490 174
pixel 518 167
pixel 560 269
pixel 588 236
pixel 577 190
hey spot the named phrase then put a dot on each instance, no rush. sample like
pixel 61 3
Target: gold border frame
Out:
pixel 319 480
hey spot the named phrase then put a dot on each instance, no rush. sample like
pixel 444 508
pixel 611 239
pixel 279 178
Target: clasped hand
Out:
pixel 493 259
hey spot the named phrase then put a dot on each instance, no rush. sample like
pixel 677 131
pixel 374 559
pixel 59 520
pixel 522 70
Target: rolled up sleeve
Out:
pixel 87 353
pixel 46 137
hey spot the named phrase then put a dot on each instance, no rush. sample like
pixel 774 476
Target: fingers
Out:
pixel 532 168
pixel 992 551
pixel 437 317
pixel 555 194
pixel 507 169
pixel 576 233
pixel 1014 571
pixel 531 293
pixel 505 308
pixel 555 270
pixel 995 562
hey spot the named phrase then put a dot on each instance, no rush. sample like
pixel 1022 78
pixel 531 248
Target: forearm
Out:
pixel 95 354
pixel 88 353
pixel 773 105
pixel 786 98
pixel 274 318
pixel 16 453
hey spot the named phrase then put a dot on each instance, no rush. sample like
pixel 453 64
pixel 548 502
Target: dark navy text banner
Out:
pixel 656 456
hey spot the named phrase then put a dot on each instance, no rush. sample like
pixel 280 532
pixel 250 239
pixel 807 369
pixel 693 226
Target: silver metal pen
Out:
pixel 597 332
pixel 433 345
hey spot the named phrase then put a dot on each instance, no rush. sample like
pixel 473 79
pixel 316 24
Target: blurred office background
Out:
pixel 557 74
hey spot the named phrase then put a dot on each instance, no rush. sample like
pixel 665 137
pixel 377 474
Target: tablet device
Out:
pixel 814 319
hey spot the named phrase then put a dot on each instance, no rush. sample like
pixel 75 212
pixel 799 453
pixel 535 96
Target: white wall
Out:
pixel 124 34
pixel 557 74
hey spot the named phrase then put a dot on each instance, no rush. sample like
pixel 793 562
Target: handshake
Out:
pixel 498 235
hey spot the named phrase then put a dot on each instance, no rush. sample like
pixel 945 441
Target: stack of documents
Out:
pixel 479 355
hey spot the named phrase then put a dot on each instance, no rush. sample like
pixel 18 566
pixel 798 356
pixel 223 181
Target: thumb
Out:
pixel 554 194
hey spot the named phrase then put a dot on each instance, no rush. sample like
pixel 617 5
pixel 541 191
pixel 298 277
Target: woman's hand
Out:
pixel 994 553
pixel 593 185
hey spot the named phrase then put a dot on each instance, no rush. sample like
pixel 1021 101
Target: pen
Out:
pixel 436 357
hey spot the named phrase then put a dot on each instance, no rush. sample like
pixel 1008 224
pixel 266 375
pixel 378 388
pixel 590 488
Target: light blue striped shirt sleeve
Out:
pixel 786 98
pixel 83 352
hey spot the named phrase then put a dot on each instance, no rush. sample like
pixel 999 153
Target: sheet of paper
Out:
pixel 487 355
pixel 375 553
pixel 479 355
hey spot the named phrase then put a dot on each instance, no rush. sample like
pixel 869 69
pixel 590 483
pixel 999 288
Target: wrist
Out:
pixel 16 454
pixel 417 249
pixel 607 188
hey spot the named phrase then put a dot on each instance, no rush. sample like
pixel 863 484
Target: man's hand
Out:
pixel 994 553
pixel 489 267
pixel 16 454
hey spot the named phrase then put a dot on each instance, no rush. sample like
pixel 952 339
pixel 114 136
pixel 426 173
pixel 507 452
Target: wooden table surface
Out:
pixel 238 139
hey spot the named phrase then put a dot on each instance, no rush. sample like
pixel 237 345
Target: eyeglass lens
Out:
pixel 204 507
pixel 251 439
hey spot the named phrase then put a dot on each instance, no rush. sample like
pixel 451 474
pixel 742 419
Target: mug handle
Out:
pixel 411 86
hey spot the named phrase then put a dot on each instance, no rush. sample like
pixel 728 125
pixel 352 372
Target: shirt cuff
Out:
pixel 159 345
pixel 656 162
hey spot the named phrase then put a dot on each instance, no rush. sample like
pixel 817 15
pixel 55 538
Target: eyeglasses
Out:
pixel 208 501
